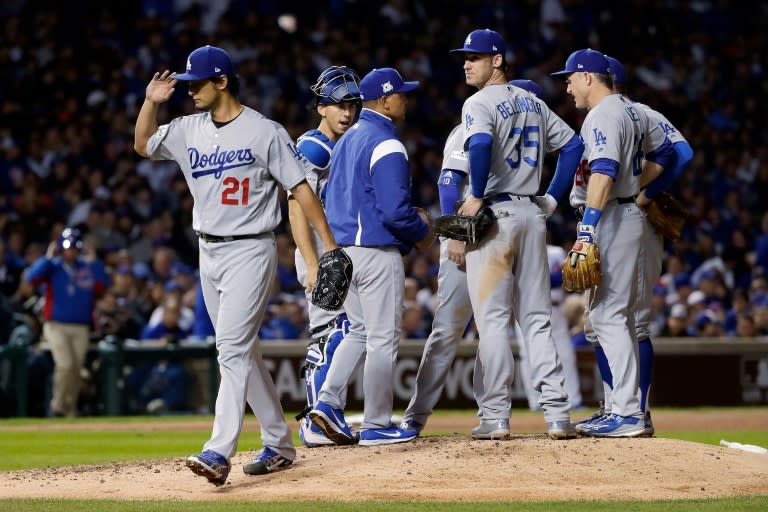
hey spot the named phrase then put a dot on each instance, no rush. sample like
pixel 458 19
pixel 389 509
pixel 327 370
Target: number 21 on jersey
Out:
pixel 235 191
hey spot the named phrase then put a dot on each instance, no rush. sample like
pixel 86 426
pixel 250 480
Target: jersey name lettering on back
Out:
pixel 521 104
pixel 218 161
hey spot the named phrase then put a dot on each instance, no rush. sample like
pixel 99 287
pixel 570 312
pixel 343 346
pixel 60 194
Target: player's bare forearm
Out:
pixel 651 171
pixel 598 189
pixel 302 234
pixel 313 211
pixel 471 206
pixel 146 126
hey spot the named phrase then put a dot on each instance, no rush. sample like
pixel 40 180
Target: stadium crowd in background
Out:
pixel 73 83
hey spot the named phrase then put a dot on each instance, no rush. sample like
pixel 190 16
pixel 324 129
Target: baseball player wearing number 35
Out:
pixel 506 132
pixel 233 160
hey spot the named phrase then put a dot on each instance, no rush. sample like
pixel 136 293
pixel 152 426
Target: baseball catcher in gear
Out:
pixel 581 268
pixel 667 215
pixel 337 84
pixel 334 273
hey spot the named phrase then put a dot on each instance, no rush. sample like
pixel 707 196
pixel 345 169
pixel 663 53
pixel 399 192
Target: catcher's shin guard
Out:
pixel 319 356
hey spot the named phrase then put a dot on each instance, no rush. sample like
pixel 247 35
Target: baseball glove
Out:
pixel 334 273
pixel 581 268
pixel 466 228
pixel 667 215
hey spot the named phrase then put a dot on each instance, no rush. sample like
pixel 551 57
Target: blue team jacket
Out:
pixel 70 292
pixel 368 196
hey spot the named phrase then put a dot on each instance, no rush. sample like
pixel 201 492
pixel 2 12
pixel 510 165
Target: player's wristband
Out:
pixel 591 216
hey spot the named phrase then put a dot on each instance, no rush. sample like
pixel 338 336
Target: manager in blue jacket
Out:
pixel 368 205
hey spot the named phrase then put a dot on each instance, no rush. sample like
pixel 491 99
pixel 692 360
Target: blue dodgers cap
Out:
pixel 383 82
pixel 617 71
pixel 207 62
pixel 528 85
pixel 588 60
pixel 483 41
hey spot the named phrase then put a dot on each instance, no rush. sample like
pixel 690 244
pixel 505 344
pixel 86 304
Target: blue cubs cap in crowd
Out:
pixel 483 41
pixel 618 73
pixel 588 60
pixel 528 85
pixel 207 62
pixel 383 82
pixel 71 238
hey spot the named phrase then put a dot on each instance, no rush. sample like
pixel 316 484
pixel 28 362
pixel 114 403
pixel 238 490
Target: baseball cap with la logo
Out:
pixel 207 62
pixel 587 60
pixel 483 41
pixel 383 82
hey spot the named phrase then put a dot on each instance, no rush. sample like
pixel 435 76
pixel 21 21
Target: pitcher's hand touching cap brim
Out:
pixel 587 60
pixel 383 82
pixel 207 62
pixel 483 41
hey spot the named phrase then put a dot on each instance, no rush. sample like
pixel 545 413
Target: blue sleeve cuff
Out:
pixel 664 155
pixel 479 148
pixel 683 156
pixel 591 216
pixel 605 166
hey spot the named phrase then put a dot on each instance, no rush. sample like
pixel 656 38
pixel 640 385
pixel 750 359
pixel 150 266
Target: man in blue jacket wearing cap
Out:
pixel 368 204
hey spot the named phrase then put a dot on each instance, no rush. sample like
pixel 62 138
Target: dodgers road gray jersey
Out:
pixel 515 159
pixel 660 124
pixel 234 187
pixel 615 116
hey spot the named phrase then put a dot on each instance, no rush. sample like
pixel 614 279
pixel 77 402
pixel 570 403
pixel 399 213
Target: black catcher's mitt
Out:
pixel 334 273
pixel 464 227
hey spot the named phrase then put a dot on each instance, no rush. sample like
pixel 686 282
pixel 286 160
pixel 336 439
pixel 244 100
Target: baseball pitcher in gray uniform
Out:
pixel 650 259
pixel 233 160
pixel 506 132
pixel 337 102
pixel 606 186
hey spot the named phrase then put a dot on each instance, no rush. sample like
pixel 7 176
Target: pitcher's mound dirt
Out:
pixel 445 468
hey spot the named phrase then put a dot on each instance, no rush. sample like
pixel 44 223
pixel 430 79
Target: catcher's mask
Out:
pixel 337 84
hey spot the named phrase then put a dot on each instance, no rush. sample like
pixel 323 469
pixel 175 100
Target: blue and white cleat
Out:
pixel 331 421
pixel 267 461
pixel 311 435
pixel 389 435
pixel 617 426
pixel 213 466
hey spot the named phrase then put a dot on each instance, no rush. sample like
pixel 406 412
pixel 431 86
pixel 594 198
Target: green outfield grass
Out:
pixel 26 449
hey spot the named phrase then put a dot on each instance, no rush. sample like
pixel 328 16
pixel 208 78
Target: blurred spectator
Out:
pixel 677 323
pixel 414 325
pixel 73 283
pixel 707 325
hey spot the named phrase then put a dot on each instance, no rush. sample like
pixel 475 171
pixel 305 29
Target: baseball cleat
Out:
pixel 584 425
pixel 649 430
pixel 411 425
pixel 267 461
pixel 491 429
pixel 389 435
pixel 311 435
pixel 211 465
pixel 331 421
pixel 562 429
pixel 617 426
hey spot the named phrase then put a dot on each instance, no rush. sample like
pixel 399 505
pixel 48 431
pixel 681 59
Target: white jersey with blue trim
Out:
pixel 616 129
pixel 528 128
pixel 455 158
pixel 232 172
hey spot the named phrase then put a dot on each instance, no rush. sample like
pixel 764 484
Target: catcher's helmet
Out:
pixel 335 85
pixel 71 238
